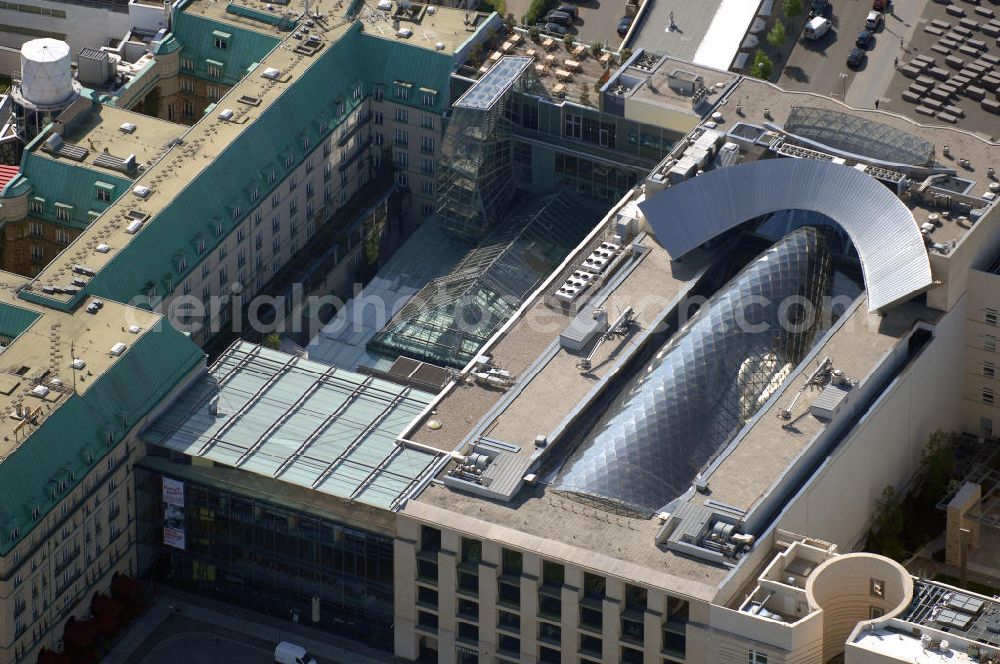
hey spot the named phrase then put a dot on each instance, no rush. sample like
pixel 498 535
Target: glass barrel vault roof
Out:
pixel 705 383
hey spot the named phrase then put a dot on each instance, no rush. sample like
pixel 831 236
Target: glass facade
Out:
pixel 449 320
pixel 706 382
pixel 261 556
pixel 858 135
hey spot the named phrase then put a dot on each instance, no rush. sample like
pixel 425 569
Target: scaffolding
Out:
pixel 476 176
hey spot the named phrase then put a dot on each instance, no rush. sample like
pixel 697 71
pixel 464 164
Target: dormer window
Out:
pixel 221 39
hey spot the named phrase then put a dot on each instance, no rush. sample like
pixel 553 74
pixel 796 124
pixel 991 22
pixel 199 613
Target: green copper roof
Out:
pixel 75 437
pixel 15 320
pixel 69 183
pixel 243 48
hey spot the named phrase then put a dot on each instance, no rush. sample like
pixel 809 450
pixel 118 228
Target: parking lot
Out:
pixel 821 65
pixel 598 20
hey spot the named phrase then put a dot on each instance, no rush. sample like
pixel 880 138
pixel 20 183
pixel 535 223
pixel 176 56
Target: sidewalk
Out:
pixel 325 647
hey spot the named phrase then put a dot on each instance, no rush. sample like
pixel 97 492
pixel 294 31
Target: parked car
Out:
pixel 819 8
pixel 623 25
pixel 554 28
pixel 865 38
pixel 561 18
pixel 856 57
pixel 816 27
pixel 569 9
pixel 874 21
pixel 292 653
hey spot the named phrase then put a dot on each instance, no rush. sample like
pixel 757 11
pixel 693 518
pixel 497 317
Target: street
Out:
pixel 821 66
pixel 204 648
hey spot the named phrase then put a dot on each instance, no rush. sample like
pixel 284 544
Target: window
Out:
pixel 428 97
pixel 877 587
pixel 223 277
pixel 402 137
pixel 426 209
pixel 221 41
pixel 187 86
pixel 378 139
pixel 37 252
pixel 427 188
pixel 206 268
pixel 427 621
pixel 62 237
pixel 591 645
pixel 187 63
pixel 427 166
pixel 990 316
pixel 36 206
pixel 756 657
pixel 402 160
pixel 402 90
pixel 378 118
pixel 874 613
pixel 214 69
pixel 104 193
pixel 553 574
pixel 427 597
pixel 548 655
pixel 987 396
pixel 213 92
pixel 35 229
pixel 270 177
pixel 403 180
pixel 402 115
pixel 635 598
pixel 574 126
pixel 990 342
pixel 275 200
pixel 427 121
pixel 63 212
pixel 378 93
pixel 989 369
pixel 509 645
pixel 427 144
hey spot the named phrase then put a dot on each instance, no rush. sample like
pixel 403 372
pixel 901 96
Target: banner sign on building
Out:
pixel 173 513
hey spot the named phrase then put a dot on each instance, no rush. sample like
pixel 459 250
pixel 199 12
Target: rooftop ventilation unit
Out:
pixel 142 191
pixel 40 391
pixel 134 329
pixel 226 114
pixel 118 349
pixel 134 227
pixel 271 73
pixel 84 270
pixel 405 33
pixel 103 248
pixel 127 128
pixel 78 364
pixel 438 46
pixel 94 306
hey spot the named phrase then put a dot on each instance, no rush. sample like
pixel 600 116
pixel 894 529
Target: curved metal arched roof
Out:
pixel 883 230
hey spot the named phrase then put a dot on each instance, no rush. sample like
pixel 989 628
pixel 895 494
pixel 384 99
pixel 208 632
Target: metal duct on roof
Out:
pixel 883 230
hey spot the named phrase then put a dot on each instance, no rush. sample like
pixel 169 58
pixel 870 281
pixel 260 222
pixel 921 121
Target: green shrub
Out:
pixel 537 10
pixel 762 65
pixel 792 8
pixel 776 37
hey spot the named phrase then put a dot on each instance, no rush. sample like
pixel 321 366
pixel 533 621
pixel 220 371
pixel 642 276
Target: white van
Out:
pixel 816 28
pixel 291 653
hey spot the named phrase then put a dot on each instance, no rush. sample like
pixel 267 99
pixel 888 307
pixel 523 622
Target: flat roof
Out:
pixel 98 130
pixel 183 163
pixel 658 89
pixel 431 25
pixel 758 102
pixel 41 345
pixel 300 422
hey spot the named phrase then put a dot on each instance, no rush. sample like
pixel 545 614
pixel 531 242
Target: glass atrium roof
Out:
pixel 706 382
pixel 491 87
pixel 450 319
pixel 859 136
pixel 301 422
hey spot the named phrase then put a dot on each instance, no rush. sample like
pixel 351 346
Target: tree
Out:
pixel 762 65
pixel 626 53
pixel 887 525
pixel 791 8
pixel 509 22
pixel 937 464
pixel 568 41
pixel 533 32
pixel 776 37
pixel 596 49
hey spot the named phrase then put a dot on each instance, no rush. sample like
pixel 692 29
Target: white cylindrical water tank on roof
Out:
pixel 46 76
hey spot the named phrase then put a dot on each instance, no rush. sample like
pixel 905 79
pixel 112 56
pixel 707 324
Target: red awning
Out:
pixel 106 623
pixel 105 606
pixel 8 173
pixel 80 633
pixel 127 587
pixel 52 657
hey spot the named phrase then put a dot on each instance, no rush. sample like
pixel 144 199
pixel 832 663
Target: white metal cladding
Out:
pixel 883 230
